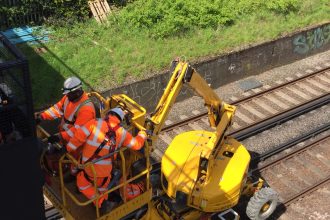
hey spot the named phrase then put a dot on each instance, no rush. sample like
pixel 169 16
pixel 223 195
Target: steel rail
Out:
pixel 199 116
pixel 289 155
pixel 279 118
pixel 306 191
pixel 292 142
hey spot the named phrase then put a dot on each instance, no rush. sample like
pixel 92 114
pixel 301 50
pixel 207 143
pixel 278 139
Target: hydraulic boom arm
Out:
pixel 183 73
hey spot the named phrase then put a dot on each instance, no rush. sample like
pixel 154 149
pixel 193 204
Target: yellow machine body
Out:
pixel 215 187
pixel 202 172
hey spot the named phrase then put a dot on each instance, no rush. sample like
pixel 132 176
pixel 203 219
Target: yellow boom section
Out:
pixel 169 96
pixel 183 73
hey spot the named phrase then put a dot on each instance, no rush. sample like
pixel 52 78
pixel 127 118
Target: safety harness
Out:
pixel 110 137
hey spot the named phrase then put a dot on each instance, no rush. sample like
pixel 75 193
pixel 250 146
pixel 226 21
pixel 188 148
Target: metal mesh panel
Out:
pixel 5 54
pixel 16 120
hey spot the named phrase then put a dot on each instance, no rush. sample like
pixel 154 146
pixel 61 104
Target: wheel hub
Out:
pixel 265 207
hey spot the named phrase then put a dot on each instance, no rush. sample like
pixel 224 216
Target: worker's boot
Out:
pixel 107 206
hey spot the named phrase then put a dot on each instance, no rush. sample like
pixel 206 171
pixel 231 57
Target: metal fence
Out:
pixel 33 13
pixel 16 107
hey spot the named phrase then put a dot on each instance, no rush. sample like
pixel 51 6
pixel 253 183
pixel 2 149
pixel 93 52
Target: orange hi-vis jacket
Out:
pixel 73 114
pixel 93 133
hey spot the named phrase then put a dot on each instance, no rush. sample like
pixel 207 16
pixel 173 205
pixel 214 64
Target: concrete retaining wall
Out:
pixel 236 64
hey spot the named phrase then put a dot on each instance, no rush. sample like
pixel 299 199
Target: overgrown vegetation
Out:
pixel 173 17
pixel 142 38
pixel 55 12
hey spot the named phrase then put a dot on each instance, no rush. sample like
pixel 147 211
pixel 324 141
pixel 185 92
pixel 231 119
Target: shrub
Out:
pixel 36 11
pixel 282 6
pixel 172 17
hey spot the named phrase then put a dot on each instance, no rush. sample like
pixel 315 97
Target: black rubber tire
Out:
pixel 259 199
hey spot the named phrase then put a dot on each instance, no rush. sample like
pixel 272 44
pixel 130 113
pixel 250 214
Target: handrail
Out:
pixel 71 159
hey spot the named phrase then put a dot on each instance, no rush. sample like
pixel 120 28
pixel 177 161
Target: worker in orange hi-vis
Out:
pixel 98 138
pixel 75 109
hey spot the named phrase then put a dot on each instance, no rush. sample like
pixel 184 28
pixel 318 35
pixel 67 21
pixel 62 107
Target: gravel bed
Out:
pixel 289 130
pixel 313 207
pixel 233 89
pixel 314 161
pixel 277 135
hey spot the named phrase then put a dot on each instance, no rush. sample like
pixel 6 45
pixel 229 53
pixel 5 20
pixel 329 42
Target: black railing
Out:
pixel 16 106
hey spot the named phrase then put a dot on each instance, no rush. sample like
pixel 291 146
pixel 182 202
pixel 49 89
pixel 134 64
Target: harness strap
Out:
pixel 113 146
pixel 89 179
pixel 96 152
pixel 107 139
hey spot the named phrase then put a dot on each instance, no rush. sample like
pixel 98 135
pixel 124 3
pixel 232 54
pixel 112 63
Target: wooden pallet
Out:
pixel 100 9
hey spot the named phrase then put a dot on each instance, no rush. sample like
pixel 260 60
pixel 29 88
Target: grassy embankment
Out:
pixel 141 41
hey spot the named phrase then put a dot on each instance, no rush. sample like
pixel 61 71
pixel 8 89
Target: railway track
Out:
pixel 51 212
pixel 259 105
pixel 298 172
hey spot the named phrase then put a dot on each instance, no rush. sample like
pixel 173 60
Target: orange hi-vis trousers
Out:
pixel 86 187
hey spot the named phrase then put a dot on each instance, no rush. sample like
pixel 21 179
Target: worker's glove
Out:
pixel 54 139
pixel 37 118
pixel 144 134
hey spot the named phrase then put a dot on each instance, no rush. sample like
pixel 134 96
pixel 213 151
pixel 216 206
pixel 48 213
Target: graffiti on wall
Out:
pixel 228 68
pixel 311 40
pixel 148 93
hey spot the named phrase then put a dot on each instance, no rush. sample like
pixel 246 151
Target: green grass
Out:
pixel 122 54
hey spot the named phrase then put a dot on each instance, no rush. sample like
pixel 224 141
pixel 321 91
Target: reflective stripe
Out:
pixel 57 109
pixel 72 146
pixel 90 104
pixel 122 138
pixel 77 126
pixel 104 162
pixel 70 133
pixel 131 144
pixel 66 102
pixel 84 159
pixel 49 111
pixel 95 144
pixel 101 162
pixel 85 130
pixel 102 189
pixel 65 126
pixel 73 112
pixel 85 187
pixel 142 135
pixel 135 191
pixel 107 147
pixel 98 129
pixel 70 118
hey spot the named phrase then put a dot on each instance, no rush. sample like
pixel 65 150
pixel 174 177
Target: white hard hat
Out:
pixel 71 84
pixel 119 112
